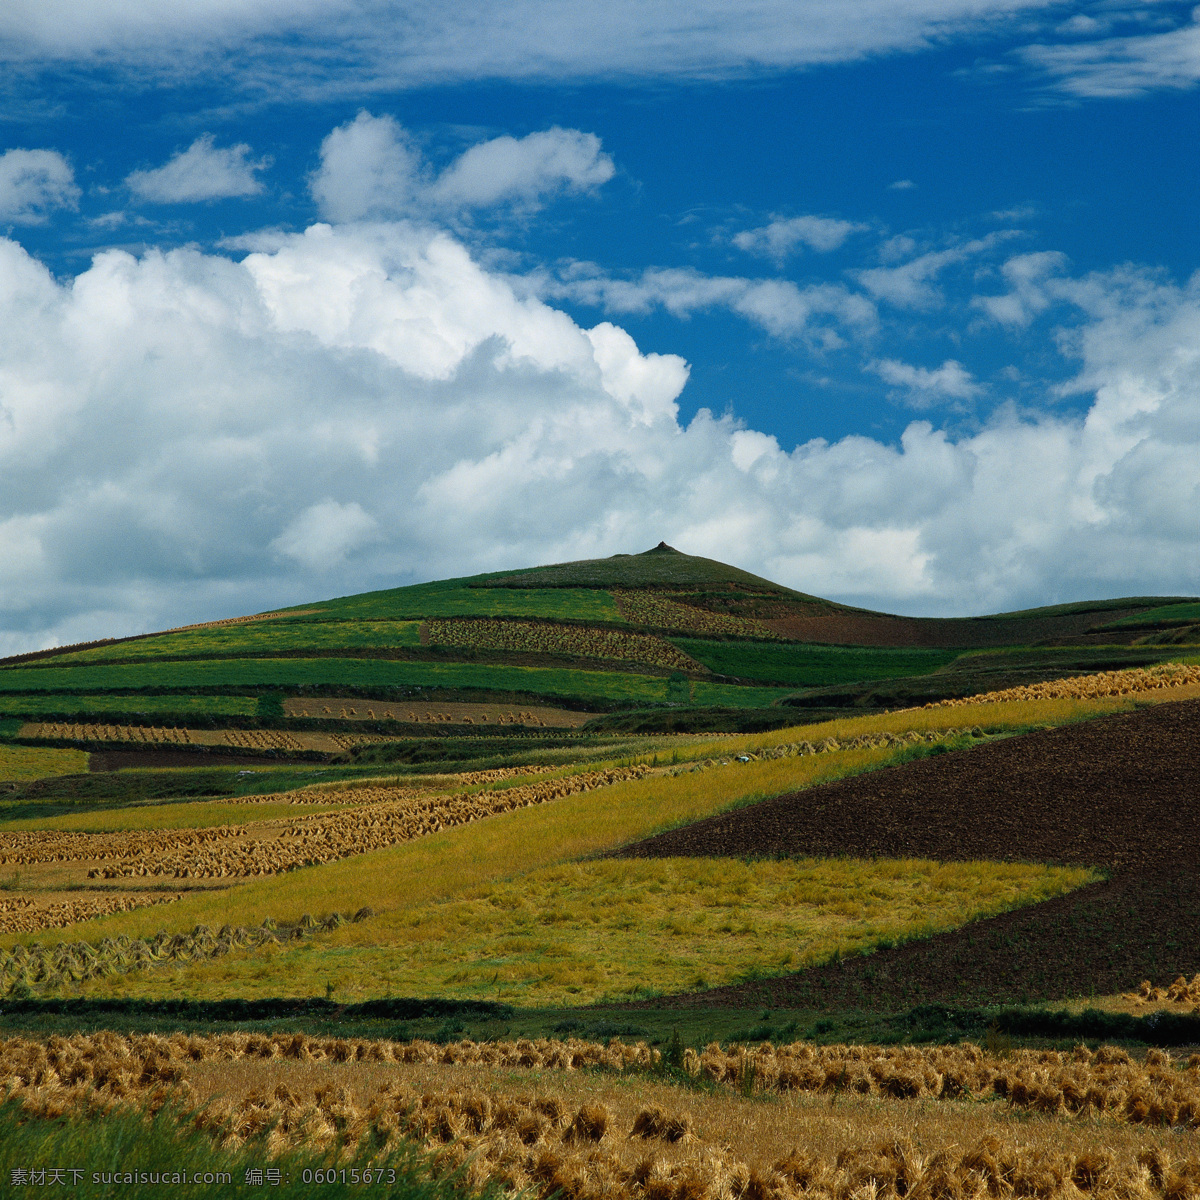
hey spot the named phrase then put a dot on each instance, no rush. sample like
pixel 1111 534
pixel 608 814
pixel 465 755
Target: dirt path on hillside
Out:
pixel 1119 792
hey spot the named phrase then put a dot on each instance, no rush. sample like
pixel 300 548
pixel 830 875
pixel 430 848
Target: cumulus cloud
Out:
pixel 183 436
pixel 372 168
pixel 204 171
pixel 369 167
pixel 32 182
pixel 781 237
pixel 324 534
pixel 923 387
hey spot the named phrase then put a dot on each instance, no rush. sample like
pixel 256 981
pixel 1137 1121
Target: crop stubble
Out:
pixel 521 1113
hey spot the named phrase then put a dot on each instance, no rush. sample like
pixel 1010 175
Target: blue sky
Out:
pixel 891 300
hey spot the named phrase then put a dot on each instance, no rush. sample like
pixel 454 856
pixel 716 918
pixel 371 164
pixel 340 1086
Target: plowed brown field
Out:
pixel 879 629
pixel 1119 792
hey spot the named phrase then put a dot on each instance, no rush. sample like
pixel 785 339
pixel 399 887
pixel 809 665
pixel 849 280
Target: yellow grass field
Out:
pixel 612 930
pixel 22 763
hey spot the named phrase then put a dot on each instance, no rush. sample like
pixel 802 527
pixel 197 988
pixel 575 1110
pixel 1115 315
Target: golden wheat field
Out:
pixel 659 611
pixel 1182 679
pixel 153 735
pixel 346 709
pixel 589 1120
pixel 542 638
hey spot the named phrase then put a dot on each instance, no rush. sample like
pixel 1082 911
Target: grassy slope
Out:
pixel 456 598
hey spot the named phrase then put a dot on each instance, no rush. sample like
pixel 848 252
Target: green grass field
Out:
pixel 366 672
pixel 454 598
pixel 811 666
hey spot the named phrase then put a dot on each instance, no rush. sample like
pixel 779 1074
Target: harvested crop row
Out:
pixel 537 1141
pixel 864 741
pixel 356 794
pixel 1090 687
pixel 1180 992
pixel 324 838
pixel 1079 1083
pixel 24 915
pixel 245 739
pixel 659 611
pixel 418 714
pixel 74 732
pixel 539 1146
pixel 73 962
pixel 543 637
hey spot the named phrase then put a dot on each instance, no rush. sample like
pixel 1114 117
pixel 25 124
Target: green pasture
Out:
pixel 611 686
pixel 270 637
pixel 811 666
pixel 35 705
pixel 454 598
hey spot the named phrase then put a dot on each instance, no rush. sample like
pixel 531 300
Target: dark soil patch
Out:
pixel 1121 793
pixel 870 629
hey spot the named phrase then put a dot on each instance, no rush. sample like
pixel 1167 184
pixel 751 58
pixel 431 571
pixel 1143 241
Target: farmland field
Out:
pixel 456 598
pixel 811 666
pixel 679 922
pixel 37 762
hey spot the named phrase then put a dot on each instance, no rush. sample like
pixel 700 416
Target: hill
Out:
pixel 635 642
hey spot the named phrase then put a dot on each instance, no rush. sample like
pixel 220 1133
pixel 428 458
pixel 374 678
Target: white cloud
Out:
pixel 185 437
pixel 781 307
pixel 32 182
pixel 302 45
pixel 372 168
pixel 778 239
pixel 1123 66
pixel 911 284
pixel 923 387
pixel 203 171
pixel 323 535
pixel 1030 279
pixel 901 185
pixel 524 169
